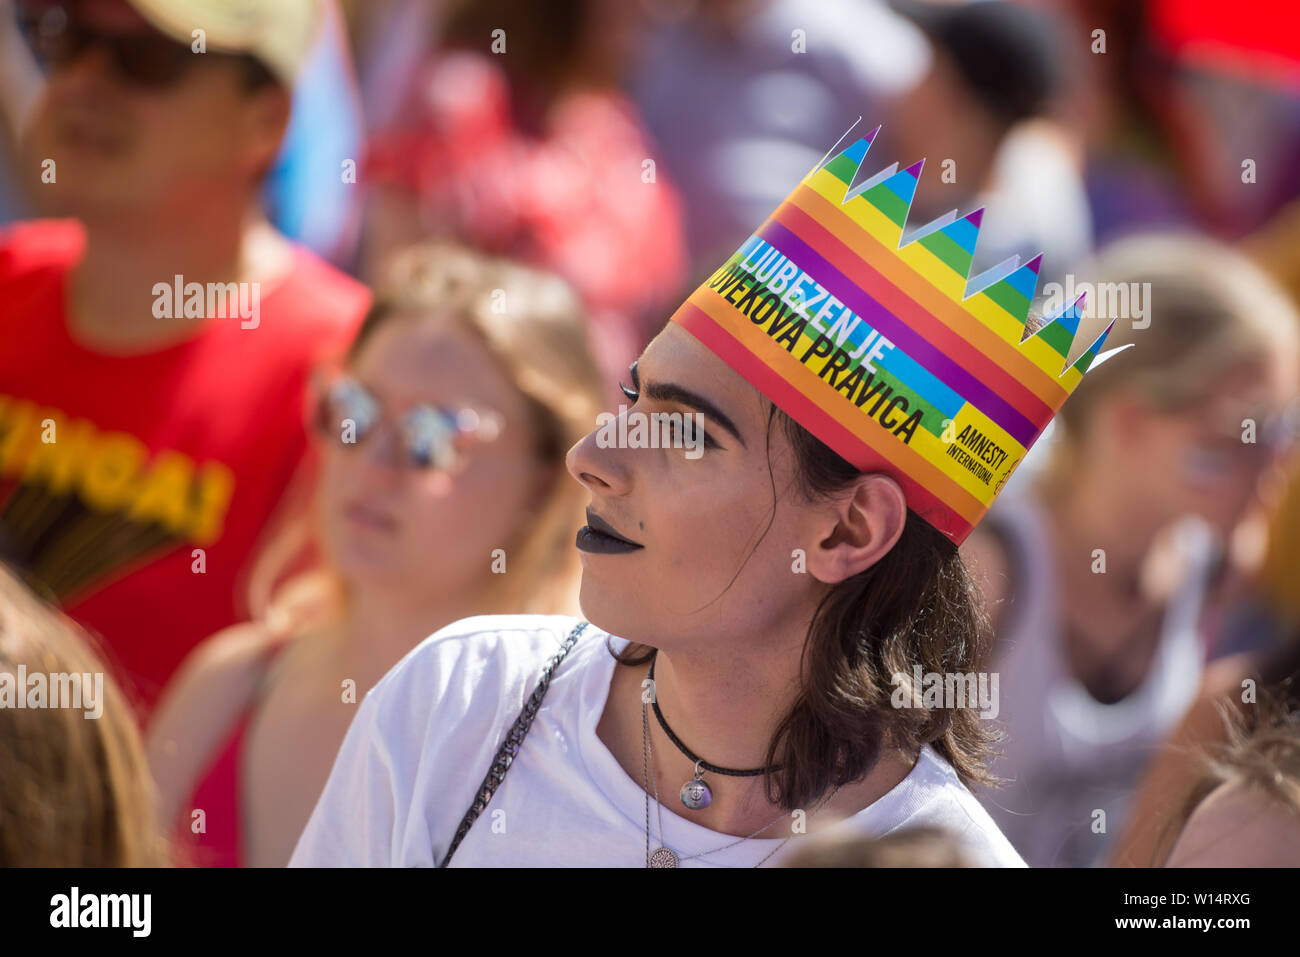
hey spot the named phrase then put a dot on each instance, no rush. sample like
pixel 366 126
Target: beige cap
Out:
pixel 277 32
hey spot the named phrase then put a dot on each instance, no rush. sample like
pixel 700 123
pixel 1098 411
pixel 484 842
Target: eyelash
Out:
pixel 708 439
pixel 709 442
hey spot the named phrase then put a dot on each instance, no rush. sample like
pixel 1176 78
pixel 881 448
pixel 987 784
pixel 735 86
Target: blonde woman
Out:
pixel 441 494
pixel 73 792
pixel 1099 578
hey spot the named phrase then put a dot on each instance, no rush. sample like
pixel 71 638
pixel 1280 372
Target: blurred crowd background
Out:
pixel 465 218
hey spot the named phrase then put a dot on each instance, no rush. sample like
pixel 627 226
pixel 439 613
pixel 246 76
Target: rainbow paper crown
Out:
pixel 880 349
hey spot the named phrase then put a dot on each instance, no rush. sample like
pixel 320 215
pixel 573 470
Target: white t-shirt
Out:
pixel 425 735
pixel 1067 755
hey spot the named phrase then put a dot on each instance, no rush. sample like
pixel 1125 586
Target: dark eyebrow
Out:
pixel 671 392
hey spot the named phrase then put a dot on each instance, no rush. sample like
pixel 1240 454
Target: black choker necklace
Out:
pixel 695 793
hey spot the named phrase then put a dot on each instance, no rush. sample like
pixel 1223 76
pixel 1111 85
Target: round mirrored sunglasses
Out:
pixel 432 437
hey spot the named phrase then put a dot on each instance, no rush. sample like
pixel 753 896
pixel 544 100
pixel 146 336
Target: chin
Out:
pixel 103 199
pixel 598 609
pixel 359 565
pixel 610 613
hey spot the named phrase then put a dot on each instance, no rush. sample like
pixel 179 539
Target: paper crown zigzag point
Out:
pixel 943 252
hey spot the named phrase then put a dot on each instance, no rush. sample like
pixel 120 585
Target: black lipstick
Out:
pixel 601 537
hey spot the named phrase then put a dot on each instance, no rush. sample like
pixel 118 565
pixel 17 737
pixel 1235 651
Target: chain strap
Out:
pixel 510 746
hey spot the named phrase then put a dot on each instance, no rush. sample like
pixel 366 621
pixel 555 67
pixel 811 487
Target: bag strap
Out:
pixel 510 746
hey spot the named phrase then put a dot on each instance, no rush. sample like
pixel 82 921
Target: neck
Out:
pixel 724 714
pixel 112 288
pixel 727 715
pixel 381 626
pixel 725 707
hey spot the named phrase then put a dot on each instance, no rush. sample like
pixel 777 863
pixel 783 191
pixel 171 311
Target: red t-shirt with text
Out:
pixel 134 489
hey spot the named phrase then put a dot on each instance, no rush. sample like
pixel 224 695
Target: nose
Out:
pixel 600 470
pixel 383 449
pixel 91 66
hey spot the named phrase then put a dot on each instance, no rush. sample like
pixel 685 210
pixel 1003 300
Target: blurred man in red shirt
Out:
pixel 157 341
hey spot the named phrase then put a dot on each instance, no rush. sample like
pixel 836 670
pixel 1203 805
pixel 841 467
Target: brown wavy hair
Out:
pixel 74 791
pixel 918 605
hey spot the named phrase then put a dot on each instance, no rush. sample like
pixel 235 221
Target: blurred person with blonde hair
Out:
pixel 442 494
pixel 907 847
pixel 75 789
pixel 1238 693
pixel 1098 581
pixel 1244 810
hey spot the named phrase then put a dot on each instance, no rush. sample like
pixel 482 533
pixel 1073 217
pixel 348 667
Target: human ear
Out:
pixel 265 122
pixel 858 528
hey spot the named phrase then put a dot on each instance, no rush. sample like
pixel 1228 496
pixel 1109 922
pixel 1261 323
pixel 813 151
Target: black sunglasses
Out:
pixel 146 58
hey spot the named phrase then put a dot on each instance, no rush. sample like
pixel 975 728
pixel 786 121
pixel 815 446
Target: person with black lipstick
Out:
pixel 748 613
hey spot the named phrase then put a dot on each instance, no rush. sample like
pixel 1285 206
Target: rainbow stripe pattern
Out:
pixel 881 349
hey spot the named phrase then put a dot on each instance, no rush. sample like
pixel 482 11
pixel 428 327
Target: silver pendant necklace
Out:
pixel 664 856
pixel 695 794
